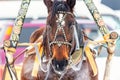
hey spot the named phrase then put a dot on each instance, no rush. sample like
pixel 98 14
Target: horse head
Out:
pixel 60 33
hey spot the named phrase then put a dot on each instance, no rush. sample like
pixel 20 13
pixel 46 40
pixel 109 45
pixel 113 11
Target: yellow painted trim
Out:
pixel 36 62
pixel 106 37
pixel 9 30
pixel 41 50
pixel 35 67
pixel 91 60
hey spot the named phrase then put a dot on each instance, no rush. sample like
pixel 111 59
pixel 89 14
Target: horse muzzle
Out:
pixel 59 66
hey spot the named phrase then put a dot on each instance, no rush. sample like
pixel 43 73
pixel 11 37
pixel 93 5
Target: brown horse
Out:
pixel 61 39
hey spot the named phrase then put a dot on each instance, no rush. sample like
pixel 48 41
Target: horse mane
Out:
pixel 35 36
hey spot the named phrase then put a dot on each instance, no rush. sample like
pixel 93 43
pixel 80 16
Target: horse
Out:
pixel 61 39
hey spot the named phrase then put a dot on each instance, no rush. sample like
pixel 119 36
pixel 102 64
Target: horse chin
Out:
pixel 59 72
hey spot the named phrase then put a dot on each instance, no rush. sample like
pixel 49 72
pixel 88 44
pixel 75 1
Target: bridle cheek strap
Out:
pixel 76 58
pixel 76 38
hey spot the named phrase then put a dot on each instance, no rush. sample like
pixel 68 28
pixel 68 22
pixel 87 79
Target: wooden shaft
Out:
pixel 14 38
pixel 107 68
pixel 105 32
pixel 97 17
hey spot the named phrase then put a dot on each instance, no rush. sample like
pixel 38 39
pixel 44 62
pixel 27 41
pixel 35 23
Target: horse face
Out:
pixel 60 33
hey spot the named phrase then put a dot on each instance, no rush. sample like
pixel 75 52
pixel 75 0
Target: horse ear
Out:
pixel 71 3
pixel 48 4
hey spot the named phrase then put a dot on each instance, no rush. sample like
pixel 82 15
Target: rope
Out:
pixel 40 59
pixel 76 38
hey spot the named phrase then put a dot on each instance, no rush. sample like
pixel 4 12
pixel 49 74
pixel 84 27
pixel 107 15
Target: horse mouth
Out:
pixel 59 71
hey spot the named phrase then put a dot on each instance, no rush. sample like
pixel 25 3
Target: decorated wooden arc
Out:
pixel 10 45
pixel 106 35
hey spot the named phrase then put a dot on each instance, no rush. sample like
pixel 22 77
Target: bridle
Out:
pixel 60 26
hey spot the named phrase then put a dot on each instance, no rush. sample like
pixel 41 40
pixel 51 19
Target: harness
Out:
pixel 75 59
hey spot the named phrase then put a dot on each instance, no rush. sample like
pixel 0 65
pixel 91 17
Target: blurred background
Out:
pixel 36 18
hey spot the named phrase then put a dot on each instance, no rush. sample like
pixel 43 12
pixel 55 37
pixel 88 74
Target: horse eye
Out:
pixel 71 27
pixel 71 40
pixel 49 28
pixel 70 24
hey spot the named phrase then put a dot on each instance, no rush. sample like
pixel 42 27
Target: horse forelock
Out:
pixel 59 6
pixel 49 3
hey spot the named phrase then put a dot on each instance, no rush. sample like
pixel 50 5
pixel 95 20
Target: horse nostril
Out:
pixel 53 61
pixel 66 62
pixel 61 6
